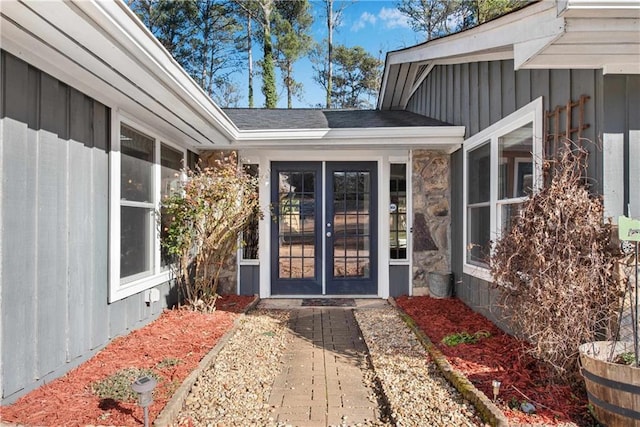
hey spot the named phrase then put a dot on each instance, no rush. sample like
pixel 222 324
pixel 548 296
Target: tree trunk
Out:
pixel 249 44
pixel 329 50
pixel 268 67
pixel 289 85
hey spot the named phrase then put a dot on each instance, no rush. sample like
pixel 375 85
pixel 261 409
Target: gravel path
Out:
pixel 417 393
pixel 235 390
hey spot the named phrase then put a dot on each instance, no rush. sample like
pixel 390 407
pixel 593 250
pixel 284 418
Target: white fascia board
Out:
pixel 622 68
pixel 351 133
pixel 383 86
pixel 445 138
pixel 610 64
pixel 598 8
pixel 540 21
pixel 491 41
pixel 447 147
pixel 602 4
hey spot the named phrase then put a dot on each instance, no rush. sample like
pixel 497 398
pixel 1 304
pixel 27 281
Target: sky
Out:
pixel 376 25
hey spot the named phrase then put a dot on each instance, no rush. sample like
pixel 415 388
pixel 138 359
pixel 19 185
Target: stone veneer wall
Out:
pixel 228 279
pixel 431 217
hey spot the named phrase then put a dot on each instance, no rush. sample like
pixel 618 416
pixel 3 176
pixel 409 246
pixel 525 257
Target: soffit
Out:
pixel 103 50
pixel 542 35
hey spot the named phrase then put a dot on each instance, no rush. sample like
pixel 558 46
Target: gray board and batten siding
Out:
pixel 54 225
pixel 476 95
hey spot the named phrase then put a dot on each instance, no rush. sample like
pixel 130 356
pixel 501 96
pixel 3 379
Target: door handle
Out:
pixel 328 234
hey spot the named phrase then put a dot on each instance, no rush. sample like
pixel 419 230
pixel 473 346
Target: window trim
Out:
pixel 241 260
pixel 530 113
pixel 402 161
pixel 119 288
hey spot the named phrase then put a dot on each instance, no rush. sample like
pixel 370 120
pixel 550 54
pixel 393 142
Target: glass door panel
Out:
pixel 296 203
pixel 351 228
pixel 303 237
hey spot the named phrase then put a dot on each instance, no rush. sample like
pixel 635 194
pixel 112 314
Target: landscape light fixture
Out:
pixel 144 387
pixel 496 389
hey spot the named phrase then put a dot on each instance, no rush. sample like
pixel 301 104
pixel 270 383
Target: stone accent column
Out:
pixel 431 216
pixel 228 279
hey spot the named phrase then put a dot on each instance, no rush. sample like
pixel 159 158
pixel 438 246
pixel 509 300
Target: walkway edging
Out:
pixel 173 407
pixel 489 412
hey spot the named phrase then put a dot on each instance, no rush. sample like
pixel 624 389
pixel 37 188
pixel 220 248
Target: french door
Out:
pixel 324 228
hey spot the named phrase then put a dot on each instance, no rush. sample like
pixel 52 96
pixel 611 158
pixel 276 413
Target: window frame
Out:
pixel 120 288
pixel 407 165
pixel 530 113
pixel 242 260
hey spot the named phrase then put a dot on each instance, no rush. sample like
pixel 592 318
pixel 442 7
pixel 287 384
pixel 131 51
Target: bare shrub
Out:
pixel 202 223
pixel 556 268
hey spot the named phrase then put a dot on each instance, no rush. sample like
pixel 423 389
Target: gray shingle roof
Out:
pixel 264 119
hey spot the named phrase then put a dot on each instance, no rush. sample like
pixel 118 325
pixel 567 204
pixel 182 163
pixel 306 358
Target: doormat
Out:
pixel 328 302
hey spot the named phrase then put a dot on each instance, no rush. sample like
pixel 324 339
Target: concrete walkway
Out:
pixel 322 382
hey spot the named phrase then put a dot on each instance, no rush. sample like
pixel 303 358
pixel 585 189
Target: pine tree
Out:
pixel 291 30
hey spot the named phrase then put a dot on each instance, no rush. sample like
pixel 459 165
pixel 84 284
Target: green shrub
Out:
pixel 464 338
pixel 118 385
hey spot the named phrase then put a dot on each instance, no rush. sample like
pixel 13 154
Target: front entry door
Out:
pixel 324 230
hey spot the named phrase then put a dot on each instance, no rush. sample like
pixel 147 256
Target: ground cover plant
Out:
pixel 501 357
pixel 98 391
pixel 465 337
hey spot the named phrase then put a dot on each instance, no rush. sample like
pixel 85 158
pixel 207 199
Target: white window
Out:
pixel 502 166
pixel 144 169
pixel 250 236
pixel 398 211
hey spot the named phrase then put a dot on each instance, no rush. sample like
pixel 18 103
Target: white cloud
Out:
pixel 365 18
pixel 393 18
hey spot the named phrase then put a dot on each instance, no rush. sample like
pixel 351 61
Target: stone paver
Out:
pixel 322 383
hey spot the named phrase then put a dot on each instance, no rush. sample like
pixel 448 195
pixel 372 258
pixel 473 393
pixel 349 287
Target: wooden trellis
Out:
pixel 560 127
pixel 561 130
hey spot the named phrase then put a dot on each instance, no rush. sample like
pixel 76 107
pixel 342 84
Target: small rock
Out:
pixel 527 408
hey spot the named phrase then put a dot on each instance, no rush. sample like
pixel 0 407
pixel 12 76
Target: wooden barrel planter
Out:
pixel 613 389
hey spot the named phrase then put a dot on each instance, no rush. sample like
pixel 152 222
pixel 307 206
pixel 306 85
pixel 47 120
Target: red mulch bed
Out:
pixel 177 334
pixel 500 357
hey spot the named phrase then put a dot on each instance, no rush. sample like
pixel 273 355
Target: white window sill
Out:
pixel 478 272
pixel 120 291
pixel 398 262
pixel 249 262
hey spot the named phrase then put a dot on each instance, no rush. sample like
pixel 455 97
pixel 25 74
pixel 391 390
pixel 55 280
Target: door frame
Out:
pixel 263 158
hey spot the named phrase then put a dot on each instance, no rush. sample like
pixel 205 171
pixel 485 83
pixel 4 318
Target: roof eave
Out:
pixel 168 70
pixel 109 55
pixel 441 138
pixel 587 34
